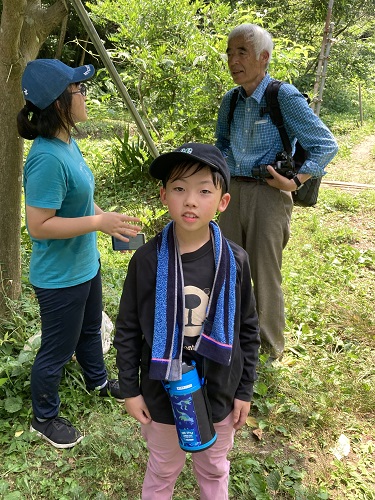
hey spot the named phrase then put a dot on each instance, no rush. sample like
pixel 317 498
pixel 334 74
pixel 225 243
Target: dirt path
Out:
pixel 363 150
pixel 354 174
pixel 359 168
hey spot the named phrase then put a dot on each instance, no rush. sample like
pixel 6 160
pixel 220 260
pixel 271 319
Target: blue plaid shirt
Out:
pixel 254 140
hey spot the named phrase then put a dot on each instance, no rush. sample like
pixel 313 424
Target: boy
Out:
pixel 188 297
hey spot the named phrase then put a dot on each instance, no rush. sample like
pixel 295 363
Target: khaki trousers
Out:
pixel 258 219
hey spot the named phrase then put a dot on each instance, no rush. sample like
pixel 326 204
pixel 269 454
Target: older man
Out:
pixel 258 216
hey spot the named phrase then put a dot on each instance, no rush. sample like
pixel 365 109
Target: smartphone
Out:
pixel 132 244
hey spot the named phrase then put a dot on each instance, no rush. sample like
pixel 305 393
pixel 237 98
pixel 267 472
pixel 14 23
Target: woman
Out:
pixel 62 220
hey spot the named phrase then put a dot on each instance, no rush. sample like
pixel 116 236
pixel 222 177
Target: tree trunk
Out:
pixel 60 45
pixel 24 27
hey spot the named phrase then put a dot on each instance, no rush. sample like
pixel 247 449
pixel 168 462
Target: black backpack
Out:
pixel 307 195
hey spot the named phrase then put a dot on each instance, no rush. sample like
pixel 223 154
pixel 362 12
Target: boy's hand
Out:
pixel 240 412
pixel 136 407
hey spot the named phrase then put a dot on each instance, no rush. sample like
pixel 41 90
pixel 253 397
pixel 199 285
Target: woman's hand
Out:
pixel 118 225
pixel 43 223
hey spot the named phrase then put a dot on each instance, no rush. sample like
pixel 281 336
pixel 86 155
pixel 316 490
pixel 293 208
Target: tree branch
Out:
pixel 38 24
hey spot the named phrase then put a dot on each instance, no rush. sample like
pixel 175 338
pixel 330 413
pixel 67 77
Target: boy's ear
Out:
pixel 224 202
pixel 163 198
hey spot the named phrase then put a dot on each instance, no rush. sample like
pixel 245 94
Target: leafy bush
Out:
pixel 131 161
pixel 171 57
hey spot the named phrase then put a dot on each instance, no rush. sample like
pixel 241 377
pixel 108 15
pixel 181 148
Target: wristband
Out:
pixel 298 183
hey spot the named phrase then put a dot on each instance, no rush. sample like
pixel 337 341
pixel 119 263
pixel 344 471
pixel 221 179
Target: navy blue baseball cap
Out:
pixel 44 80
pixel 191 151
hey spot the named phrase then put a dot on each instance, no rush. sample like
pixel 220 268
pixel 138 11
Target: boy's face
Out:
pixel 193 201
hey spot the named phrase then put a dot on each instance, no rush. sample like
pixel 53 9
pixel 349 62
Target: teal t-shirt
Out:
pixel 57 177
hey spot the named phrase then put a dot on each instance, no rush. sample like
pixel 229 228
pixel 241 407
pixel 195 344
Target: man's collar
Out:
pixel 259 91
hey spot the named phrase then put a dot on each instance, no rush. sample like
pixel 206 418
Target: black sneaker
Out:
pixel 57 431
pixel 112 388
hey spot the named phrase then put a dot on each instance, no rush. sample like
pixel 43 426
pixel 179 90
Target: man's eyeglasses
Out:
pixel 82 90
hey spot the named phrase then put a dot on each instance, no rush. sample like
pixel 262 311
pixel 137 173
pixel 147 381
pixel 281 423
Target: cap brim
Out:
pixel 83 73
pixel 160 167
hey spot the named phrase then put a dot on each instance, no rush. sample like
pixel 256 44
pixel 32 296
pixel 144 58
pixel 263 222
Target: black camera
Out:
pixel 284 165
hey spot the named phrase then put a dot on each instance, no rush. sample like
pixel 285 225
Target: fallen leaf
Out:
pixel 18 434
pixel 258 433
pixel 251 422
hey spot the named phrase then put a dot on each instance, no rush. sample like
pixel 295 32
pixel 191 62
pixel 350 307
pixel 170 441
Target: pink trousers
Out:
pixel 167 459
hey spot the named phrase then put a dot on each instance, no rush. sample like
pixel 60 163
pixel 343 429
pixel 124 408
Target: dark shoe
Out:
pixel 112 388
pixel 57 431
pixel 270 360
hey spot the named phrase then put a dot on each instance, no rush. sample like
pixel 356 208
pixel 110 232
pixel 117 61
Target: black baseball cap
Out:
pixel 191 151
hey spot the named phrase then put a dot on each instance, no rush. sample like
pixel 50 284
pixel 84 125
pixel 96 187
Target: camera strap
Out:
pixel 232 105
pixel 307 195
pixel 273 108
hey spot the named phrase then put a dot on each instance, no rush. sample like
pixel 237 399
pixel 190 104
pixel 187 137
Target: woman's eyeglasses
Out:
pixel 82 90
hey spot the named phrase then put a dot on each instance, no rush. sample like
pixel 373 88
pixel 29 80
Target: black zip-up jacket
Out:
pixel 134 334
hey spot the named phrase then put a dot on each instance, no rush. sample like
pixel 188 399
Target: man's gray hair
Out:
pixel 260 39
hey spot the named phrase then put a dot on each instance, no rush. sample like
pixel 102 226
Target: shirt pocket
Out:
pixel 265 136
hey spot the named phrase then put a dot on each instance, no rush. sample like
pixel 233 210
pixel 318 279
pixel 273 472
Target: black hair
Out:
pixel 178 170
pixel 32 121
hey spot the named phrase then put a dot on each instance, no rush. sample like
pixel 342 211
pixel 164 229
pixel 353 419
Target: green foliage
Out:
pixel 171 56
pixel 322 388
pixel 324 385
pixel 272 477
pixel 175 69
pixel 163 50
pixel 131 161
pixel 122 180
pixel 353 35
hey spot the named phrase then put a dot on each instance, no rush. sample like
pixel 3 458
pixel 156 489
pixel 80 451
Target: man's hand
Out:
pixel 283 183
pixel 136 407
pixel 240 412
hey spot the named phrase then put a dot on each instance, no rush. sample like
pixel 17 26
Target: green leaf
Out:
pixel 273 480
pixel 260 388
pixel 13 404
pixel 258 487
pixel 14 495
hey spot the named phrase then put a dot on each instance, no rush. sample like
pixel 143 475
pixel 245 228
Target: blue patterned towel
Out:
pixel 216 339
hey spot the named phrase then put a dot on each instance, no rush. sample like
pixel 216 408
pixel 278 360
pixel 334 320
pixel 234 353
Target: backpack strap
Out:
pixel 273 108
pixel 232 106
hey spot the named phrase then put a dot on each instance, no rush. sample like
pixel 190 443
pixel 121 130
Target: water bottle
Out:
pixel 190 409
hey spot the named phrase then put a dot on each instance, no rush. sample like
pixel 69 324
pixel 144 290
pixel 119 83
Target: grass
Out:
pixel 322 389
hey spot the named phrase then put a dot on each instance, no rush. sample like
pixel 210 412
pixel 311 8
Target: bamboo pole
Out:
pixel 324 70
pixel 321 56
pixel 360 103
pixel 86 21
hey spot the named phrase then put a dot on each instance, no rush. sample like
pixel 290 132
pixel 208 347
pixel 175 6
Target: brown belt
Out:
pixel 243 178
